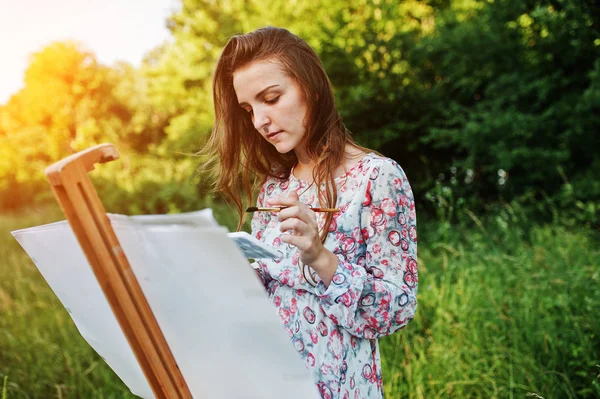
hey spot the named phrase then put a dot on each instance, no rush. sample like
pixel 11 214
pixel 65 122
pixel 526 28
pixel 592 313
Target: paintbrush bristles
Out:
pixel 258 209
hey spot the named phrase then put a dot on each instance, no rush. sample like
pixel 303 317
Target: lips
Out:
pixel 271 135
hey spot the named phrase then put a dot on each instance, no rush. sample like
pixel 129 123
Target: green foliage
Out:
pixel 180 76
pixel 497 100
pixel 516 89
pixel 481 87
pixel 137 184
pixel 67 105
pixel 143 128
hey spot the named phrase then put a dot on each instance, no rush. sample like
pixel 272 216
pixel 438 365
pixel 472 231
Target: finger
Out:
pixel 294 196
pixel 289 200
pixel 274 200
pixel 306 246
pixel 295 211
pixel 295 240
pixel 294 224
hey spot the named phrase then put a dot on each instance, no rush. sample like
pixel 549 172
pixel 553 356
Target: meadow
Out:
pixel 490 106
pixel 507 309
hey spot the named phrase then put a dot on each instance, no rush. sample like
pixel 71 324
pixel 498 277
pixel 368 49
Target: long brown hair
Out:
pixel 238 157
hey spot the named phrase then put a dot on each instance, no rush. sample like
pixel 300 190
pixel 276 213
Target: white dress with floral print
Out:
pixel 374 290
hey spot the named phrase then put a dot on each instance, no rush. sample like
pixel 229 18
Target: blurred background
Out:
pixel 490 106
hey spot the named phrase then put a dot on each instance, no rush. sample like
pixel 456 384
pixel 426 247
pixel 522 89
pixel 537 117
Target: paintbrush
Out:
pixel 278 208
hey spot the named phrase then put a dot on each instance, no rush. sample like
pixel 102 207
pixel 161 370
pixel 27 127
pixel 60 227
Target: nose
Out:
pixel 260 119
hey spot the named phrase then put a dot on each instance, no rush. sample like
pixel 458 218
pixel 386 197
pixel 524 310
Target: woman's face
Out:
pixel 275 103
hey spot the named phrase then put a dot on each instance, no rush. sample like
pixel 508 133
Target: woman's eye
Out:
pixel 272 101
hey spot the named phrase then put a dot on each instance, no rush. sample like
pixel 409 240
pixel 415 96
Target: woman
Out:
pixel 346 278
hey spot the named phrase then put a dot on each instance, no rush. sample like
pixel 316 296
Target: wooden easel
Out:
pixel 86 215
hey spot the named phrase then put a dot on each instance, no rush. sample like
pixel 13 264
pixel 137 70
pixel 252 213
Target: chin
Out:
pixel 283 148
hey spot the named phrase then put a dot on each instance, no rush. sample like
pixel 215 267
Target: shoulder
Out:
pixel 385 178
pixel 382 168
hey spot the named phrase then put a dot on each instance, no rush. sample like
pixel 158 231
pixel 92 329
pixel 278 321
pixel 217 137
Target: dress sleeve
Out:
pixel 259 222
pixel 378 295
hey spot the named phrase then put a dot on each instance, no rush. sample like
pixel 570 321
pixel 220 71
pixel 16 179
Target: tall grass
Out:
pixel 41 351
pixel 506 310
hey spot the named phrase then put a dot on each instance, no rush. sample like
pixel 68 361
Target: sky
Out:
pixel 112 29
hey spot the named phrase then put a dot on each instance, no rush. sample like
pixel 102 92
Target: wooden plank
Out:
pixel 79 201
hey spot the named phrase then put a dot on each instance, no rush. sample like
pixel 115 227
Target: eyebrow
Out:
pixel 260 93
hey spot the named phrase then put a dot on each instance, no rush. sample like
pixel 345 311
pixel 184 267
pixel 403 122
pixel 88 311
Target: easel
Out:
pixel 86 215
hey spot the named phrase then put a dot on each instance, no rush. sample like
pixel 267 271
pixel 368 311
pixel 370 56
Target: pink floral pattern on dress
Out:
pixel 374 290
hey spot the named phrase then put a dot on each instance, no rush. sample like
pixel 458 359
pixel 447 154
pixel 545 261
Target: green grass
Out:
pixel 508 314
pixel 504 312
pixel 41 351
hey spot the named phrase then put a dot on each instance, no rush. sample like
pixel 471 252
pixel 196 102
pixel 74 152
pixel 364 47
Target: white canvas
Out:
pixel 209 303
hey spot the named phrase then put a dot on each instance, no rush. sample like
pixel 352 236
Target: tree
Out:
pixel 66 105
pixel 516 96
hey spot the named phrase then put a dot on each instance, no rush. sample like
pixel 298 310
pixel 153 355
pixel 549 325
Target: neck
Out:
pixel 302 155
pixel 305 166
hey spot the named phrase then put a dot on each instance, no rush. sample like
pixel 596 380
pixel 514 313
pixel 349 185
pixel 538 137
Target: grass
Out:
pixel 504 312
pixel 507 314
pixel 41 351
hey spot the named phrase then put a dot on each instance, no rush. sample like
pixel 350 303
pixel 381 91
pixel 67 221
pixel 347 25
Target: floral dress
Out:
pixel 374 290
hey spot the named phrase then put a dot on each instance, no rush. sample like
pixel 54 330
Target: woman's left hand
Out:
pixel 301 221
